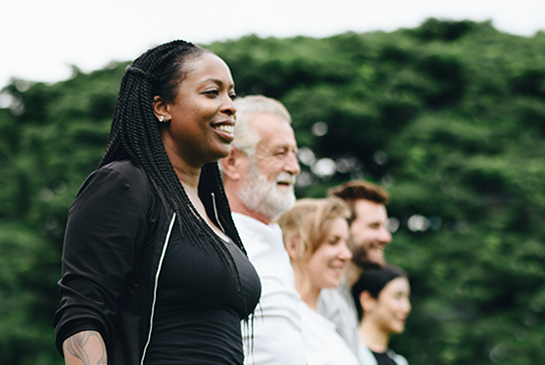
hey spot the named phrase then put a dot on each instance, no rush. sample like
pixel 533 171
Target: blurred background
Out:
pixel 447 114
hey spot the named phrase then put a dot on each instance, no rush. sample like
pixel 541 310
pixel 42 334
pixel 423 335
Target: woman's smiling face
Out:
pixel 392 307
pixel 326 265
pixel 201 117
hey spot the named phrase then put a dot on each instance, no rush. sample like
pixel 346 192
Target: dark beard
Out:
pixel 360 258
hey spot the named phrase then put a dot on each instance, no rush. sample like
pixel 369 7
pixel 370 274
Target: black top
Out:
pixel 199 308
pixel 383 358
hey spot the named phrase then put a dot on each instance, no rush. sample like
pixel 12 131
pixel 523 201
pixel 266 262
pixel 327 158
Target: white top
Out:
pixel 366 357
pixel 277 336
pixel 337 305
pixel 323 345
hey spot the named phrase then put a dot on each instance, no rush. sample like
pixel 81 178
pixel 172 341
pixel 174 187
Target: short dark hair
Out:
pixel 373 279
pixel 354 190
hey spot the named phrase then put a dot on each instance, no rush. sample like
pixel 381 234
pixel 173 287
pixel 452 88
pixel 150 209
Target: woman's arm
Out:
pixel 86 347
pixel 106 229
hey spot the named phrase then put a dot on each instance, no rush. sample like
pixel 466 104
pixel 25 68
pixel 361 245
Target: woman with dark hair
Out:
pixel 382 300
pixel 154 271
pixel 315 233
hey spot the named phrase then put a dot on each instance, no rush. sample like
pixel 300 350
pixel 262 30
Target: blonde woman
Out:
pixel 315 233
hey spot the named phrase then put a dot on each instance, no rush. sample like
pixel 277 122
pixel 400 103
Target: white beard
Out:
pixel 265 197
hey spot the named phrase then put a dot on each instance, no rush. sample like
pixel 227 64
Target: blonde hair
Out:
pixel 310 221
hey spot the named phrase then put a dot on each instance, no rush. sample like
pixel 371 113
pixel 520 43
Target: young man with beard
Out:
pixel 369 237
pixel 259 177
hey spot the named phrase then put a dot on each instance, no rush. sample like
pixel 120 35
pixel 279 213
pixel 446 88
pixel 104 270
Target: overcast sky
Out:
pixel 41 38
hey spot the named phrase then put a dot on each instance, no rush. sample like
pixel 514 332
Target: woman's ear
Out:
pixel 367 301
pixel 161 108
pixel 292 243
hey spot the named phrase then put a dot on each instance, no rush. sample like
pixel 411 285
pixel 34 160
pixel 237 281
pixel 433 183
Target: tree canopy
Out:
pixel 448 116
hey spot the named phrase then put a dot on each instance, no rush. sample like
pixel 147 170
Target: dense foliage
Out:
pixel 450 117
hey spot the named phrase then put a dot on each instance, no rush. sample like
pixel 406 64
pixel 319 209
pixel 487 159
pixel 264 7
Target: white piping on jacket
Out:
pixel 161 259
pixel 216 212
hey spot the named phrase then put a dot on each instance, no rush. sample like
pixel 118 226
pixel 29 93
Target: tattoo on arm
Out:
pixel 86 346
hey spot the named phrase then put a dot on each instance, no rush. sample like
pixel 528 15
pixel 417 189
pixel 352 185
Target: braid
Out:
pixel 134 136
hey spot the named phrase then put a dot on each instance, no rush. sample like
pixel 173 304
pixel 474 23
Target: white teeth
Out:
pixel 226 128
pixel 285 178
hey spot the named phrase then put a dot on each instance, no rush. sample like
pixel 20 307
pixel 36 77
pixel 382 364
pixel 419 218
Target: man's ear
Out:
pixel 232 164
pixel 161 108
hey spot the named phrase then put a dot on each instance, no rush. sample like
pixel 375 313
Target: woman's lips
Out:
pixel 225 131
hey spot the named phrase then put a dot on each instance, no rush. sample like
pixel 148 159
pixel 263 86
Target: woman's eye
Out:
pixel 212 92
pixel 233 96
pixel 333 242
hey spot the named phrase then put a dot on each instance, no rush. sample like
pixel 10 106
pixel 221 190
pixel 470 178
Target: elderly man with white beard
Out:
pixel 259 177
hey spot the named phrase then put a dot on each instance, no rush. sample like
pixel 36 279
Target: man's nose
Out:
pixel 292 165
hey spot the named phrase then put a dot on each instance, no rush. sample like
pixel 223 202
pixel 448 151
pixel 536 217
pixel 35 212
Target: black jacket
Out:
pixel 114 243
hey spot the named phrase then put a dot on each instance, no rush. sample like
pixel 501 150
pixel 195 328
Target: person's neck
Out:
pixel 309 295
pixel 310 298
pixel 352 273
pixel 374 338
pixel 239 207
pixel 189 176
pixel 187 171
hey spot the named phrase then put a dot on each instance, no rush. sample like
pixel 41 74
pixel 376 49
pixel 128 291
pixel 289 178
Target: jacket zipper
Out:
pixel 161 259
pixel 216 212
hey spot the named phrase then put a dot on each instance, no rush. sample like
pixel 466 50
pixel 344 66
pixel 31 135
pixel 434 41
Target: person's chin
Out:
pixel 284 189
pixel 400 328
pixel 285 196
pixel 334 281
pixel 221 151
pixel 376 256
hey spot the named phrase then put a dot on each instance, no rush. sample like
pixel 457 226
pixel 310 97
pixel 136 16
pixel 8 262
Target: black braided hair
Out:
pixel 134 136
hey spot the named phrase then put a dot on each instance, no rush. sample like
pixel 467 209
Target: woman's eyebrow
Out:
pixel 216 81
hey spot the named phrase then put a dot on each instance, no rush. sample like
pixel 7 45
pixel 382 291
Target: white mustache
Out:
pixel 285 177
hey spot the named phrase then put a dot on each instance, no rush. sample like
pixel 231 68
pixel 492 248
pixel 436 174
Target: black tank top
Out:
pixel 383 358
pixel 199 305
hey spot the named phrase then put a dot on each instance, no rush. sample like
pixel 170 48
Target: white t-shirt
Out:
pixel 323 345
pixel 277 335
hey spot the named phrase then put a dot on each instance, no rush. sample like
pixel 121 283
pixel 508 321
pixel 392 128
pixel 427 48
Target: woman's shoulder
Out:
pixel 399 359
pixel 314 320
pixel 117 180
pixel 124 168
pixel 323 344
pixel 119 174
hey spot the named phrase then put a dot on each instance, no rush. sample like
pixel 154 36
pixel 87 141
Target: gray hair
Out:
pixel 246 139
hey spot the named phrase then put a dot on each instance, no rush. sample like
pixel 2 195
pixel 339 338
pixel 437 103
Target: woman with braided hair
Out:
pixel 154 271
